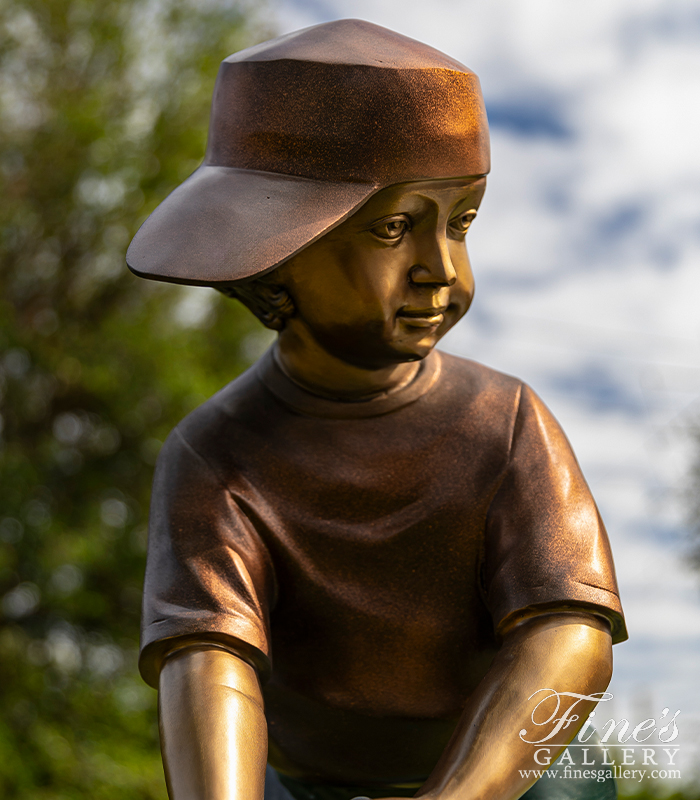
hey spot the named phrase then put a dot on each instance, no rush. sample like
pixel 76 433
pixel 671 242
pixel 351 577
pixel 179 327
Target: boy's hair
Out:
pixel 266 297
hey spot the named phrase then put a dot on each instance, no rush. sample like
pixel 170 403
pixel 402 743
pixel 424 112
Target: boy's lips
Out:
pixel 423 317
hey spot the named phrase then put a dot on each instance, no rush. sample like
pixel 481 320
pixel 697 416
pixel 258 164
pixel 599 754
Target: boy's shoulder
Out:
pixel 456 379
pixel 476 378
pixel 477 397
pixel 247 410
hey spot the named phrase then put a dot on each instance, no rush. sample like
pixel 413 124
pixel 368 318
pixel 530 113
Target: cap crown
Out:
pixel 348 101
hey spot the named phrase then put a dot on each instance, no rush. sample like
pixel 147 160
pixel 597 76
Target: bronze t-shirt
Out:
pixel 371 551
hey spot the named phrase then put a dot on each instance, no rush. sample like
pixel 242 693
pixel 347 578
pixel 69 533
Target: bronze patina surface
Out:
pixel 377 571
pixel 363 551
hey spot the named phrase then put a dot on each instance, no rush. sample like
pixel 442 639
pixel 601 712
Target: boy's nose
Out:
pixel 433 263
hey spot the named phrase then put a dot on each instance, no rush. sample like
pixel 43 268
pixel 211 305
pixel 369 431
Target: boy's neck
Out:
pixel 315 369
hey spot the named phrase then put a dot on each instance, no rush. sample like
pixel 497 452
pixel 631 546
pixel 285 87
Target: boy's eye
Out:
pixel 391 228
pixel 461 223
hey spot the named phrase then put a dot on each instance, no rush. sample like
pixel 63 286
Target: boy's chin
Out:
pixel 416 350
pixel 391 357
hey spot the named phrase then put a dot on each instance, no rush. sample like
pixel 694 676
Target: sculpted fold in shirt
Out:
pixel 327 547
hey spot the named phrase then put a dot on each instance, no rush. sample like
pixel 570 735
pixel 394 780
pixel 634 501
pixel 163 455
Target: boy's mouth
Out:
pixel 423 317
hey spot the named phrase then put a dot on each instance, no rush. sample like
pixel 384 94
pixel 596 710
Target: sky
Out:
pixel 586 253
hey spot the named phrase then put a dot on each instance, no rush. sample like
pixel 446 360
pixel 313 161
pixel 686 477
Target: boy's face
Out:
pixel 386 285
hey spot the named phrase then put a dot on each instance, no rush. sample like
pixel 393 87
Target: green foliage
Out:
pixel 659 792
pixel 103 110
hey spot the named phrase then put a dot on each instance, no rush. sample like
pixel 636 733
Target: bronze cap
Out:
pixel 304 128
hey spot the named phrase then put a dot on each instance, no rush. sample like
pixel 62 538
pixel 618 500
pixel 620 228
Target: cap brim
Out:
pixel 225 224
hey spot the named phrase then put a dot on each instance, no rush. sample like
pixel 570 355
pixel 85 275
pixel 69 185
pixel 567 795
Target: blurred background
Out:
pixel 586 256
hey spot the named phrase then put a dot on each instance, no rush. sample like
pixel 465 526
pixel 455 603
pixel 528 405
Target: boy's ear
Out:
pixel 267 299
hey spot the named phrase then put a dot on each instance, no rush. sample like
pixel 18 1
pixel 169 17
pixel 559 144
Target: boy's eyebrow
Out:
pixel 465 201
pixel 364 217
pixel 405 208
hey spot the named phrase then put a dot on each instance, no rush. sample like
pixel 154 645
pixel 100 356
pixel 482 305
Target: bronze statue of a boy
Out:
pixel 395 544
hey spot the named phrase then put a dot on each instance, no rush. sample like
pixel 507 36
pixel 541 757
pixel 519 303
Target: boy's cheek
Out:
pixel 461 296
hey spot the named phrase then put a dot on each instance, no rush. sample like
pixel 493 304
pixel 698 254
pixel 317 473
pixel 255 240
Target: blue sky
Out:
pixel 587 260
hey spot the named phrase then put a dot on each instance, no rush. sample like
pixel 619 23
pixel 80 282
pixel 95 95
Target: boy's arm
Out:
pixel 566 651
pixel 214 736
pixel 213 729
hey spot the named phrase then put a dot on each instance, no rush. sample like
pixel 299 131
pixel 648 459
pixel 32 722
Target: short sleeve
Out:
pixel 546 545
pixel 208 574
